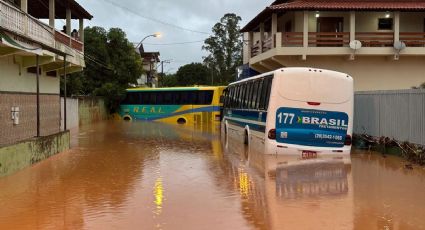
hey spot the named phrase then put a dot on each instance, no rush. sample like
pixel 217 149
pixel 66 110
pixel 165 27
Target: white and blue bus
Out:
pixel 305 112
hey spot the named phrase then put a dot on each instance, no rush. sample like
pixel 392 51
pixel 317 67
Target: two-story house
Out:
pixel 381 43
pixel 150 61
pixel 33 58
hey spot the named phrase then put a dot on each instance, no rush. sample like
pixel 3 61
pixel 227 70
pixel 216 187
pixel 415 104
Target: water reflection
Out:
pixel 311 178
pixel 157 176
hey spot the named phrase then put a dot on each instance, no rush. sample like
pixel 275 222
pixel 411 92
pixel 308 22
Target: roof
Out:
pixel 40 9
pixel 193 88
pixel 280 6
pixel 366 5
pixel 150 55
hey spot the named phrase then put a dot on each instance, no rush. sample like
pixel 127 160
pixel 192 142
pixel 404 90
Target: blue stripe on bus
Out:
pixel 197 110
pixel 255 127
pixel 250 115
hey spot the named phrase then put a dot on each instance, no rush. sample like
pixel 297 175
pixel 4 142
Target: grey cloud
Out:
pixel 195 15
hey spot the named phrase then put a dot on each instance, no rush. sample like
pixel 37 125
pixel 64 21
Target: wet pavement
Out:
pixel 157 176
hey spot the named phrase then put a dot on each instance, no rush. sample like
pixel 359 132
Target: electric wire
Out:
pixel 173 43
pixel 154 19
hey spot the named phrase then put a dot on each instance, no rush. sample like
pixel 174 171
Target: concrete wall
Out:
pixel 18 156
pixel 371 72
pixel 15 78
pixel 92 110
pixel 27 127
pixel 72 112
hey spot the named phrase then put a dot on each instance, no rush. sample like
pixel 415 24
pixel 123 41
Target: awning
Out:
pixel 14 41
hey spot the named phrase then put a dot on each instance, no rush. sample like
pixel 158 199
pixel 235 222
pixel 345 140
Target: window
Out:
pixel 385 24
pixel 168 98
pixel 132 98
pixel 254 95
pixel 203 97
pixel 248 95
pixel 259 93
pixel 268 90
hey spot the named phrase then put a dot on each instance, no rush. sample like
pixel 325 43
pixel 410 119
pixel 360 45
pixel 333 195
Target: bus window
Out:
pixel 209 97
pixel 159 98
pixel 152 98
pixel 258 94
pixel 242 96
pixel 247 95
pixel 268 89
pixel 132 98
pixel 168 98
pixel 184 98
pixel 254 95
pixel 144 98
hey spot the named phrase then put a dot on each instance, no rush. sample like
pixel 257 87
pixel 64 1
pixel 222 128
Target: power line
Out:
pixel 154 19
pixel 174 43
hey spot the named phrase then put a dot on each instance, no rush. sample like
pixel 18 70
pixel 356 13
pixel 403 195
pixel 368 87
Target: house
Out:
pixel 150 61
pixel 381 43
pixel 33 58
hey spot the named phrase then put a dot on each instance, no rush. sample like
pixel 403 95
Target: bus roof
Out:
pixel 282 69
pixel 192 88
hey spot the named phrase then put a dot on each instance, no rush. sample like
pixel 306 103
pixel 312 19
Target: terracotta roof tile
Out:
pixel 418 5
pixel 342 5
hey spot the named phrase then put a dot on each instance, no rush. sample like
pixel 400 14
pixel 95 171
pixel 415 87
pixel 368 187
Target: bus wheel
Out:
pixel 181 121
pixel 246 138
pixel 127 118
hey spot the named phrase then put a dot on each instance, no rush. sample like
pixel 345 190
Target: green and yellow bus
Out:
pixel 181 105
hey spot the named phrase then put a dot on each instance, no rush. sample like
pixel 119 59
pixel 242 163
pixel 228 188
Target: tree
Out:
pixel 225 49
pixel 192 74
pixel 168 80
pixel 111 65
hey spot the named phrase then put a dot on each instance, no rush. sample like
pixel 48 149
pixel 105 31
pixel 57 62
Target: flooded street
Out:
pixel 157 176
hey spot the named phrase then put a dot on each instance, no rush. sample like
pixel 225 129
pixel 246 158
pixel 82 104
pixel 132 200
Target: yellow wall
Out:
pixel 12 81
pixel 371 73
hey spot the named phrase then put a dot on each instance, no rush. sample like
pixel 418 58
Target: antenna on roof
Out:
pixel 355 45
pixel 398 46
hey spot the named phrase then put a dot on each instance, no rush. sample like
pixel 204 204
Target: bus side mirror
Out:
pixel 221 99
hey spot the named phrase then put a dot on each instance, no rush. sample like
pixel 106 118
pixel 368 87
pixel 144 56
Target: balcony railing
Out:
pixel 413 39
pixel 18 22
pixel 338 39
pixel 328 39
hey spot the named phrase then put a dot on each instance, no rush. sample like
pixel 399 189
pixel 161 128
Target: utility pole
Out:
pixel 162 69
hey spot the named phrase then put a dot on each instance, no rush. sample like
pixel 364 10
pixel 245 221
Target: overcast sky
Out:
pixel 197 15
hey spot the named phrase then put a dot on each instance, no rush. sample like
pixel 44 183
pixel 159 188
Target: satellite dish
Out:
pixel 355 45
pixel 399 45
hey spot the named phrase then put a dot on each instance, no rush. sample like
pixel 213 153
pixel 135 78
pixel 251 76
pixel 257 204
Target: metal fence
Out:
pixel 398 114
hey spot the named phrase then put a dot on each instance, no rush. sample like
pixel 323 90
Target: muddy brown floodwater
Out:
pixel 156 176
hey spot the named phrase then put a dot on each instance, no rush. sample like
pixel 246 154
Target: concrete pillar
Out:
pixel 81 32
pixel 24 5
pixel 261 36
pixel 396 26
pixel 274 24
pixel 274 29
pixel 68 21
pixel 250 44
pixel 52 13
pixel 305 30
pixel 352 26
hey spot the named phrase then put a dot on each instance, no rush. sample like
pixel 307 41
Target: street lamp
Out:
pixel 155 35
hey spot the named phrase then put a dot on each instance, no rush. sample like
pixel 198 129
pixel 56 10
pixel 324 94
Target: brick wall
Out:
pixel 27 128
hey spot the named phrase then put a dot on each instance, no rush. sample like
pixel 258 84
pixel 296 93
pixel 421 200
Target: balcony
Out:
pixel 373 43
pixel 17 22
pixel 275 37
